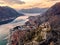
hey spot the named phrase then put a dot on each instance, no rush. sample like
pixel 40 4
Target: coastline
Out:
pixel 4 34
pixel 5 22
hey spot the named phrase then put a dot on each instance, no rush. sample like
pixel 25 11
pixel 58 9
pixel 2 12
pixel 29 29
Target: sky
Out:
pixel 24 4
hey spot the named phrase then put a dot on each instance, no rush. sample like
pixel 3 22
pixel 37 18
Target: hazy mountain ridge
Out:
pixel 33 10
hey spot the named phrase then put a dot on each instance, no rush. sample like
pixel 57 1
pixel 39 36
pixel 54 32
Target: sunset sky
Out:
pixel 20 4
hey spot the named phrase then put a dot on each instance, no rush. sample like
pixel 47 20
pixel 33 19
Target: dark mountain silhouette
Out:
pixel 8 14
pixel 33 10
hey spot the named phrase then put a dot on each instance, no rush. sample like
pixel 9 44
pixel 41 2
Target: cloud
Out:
pixel 53 0
pixel 1 3
pixel 13 1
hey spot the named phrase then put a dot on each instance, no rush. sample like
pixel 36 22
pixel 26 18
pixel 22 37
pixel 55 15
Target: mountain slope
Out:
pixel 7 13
pixel 53 15
pixel 42 30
